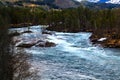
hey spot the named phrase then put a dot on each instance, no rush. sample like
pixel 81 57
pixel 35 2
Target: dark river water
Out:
pixel 73 58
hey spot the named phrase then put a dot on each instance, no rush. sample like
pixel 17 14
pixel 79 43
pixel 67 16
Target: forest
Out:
pixel 69 20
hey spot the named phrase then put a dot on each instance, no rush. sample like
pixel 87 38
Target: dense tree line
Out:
pixel 84 19
pixel 78 19
pixel 68 20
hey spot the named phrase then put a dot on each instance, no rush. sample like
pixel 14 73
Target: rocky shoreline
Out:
pixel 106 40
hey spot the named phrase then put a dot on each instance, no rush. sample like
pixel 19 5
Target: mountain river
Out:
pixel 73 57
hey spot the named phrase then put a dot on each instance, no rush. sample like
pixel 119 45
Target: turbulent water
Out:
pixel 73 58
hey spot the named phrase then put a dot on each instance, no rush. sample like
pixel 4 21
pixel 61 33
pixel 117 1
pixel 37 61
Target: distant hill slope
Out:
pixel 61 4
pixel 66 3
pixel 50 3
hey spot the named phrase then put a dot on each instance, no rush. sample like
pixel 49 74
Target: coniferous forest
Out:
pixel 69 20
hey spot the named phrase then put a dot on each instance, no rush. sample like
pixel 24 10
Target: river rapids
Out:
pixel 73 58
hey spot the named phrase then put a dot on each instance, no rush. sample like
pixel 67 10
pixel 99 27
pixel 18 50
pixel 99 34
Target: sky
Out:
pixel 89 0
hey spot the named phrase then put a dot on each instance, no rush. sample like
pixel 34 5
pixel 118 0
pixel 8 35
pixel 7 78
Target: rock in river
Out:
pixel 45 44
pixel 26 44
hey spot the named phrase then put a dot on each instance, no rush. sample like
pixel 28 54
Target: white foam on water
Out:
pixel 64 43
pixel 52 71
pixel 68 46
pixel 36 29
pixel 58 40
pixel 89 52
pixel 18 29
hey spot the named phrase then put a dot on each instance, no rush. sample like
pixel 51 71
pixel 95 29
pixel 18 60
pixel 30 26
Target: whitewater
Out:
pixel 73 58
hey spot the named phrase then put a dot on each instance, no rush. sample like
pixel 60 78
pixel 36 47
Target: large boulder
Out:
pixel 28 31
pixel 45 44
pixel 25 44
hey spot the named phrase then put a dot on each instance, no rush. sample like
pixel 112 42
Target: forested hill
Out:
pixel 49 3
pixel 58 4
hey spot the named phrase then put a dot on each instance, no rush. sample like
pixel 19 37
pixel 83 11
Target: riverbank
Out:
pixel 109 39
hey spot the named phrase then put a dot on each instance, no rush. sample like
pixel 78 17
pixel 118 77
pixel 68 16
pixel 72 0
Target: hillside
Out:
pixel 59 4
pixel 49 3
pixel 66 3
